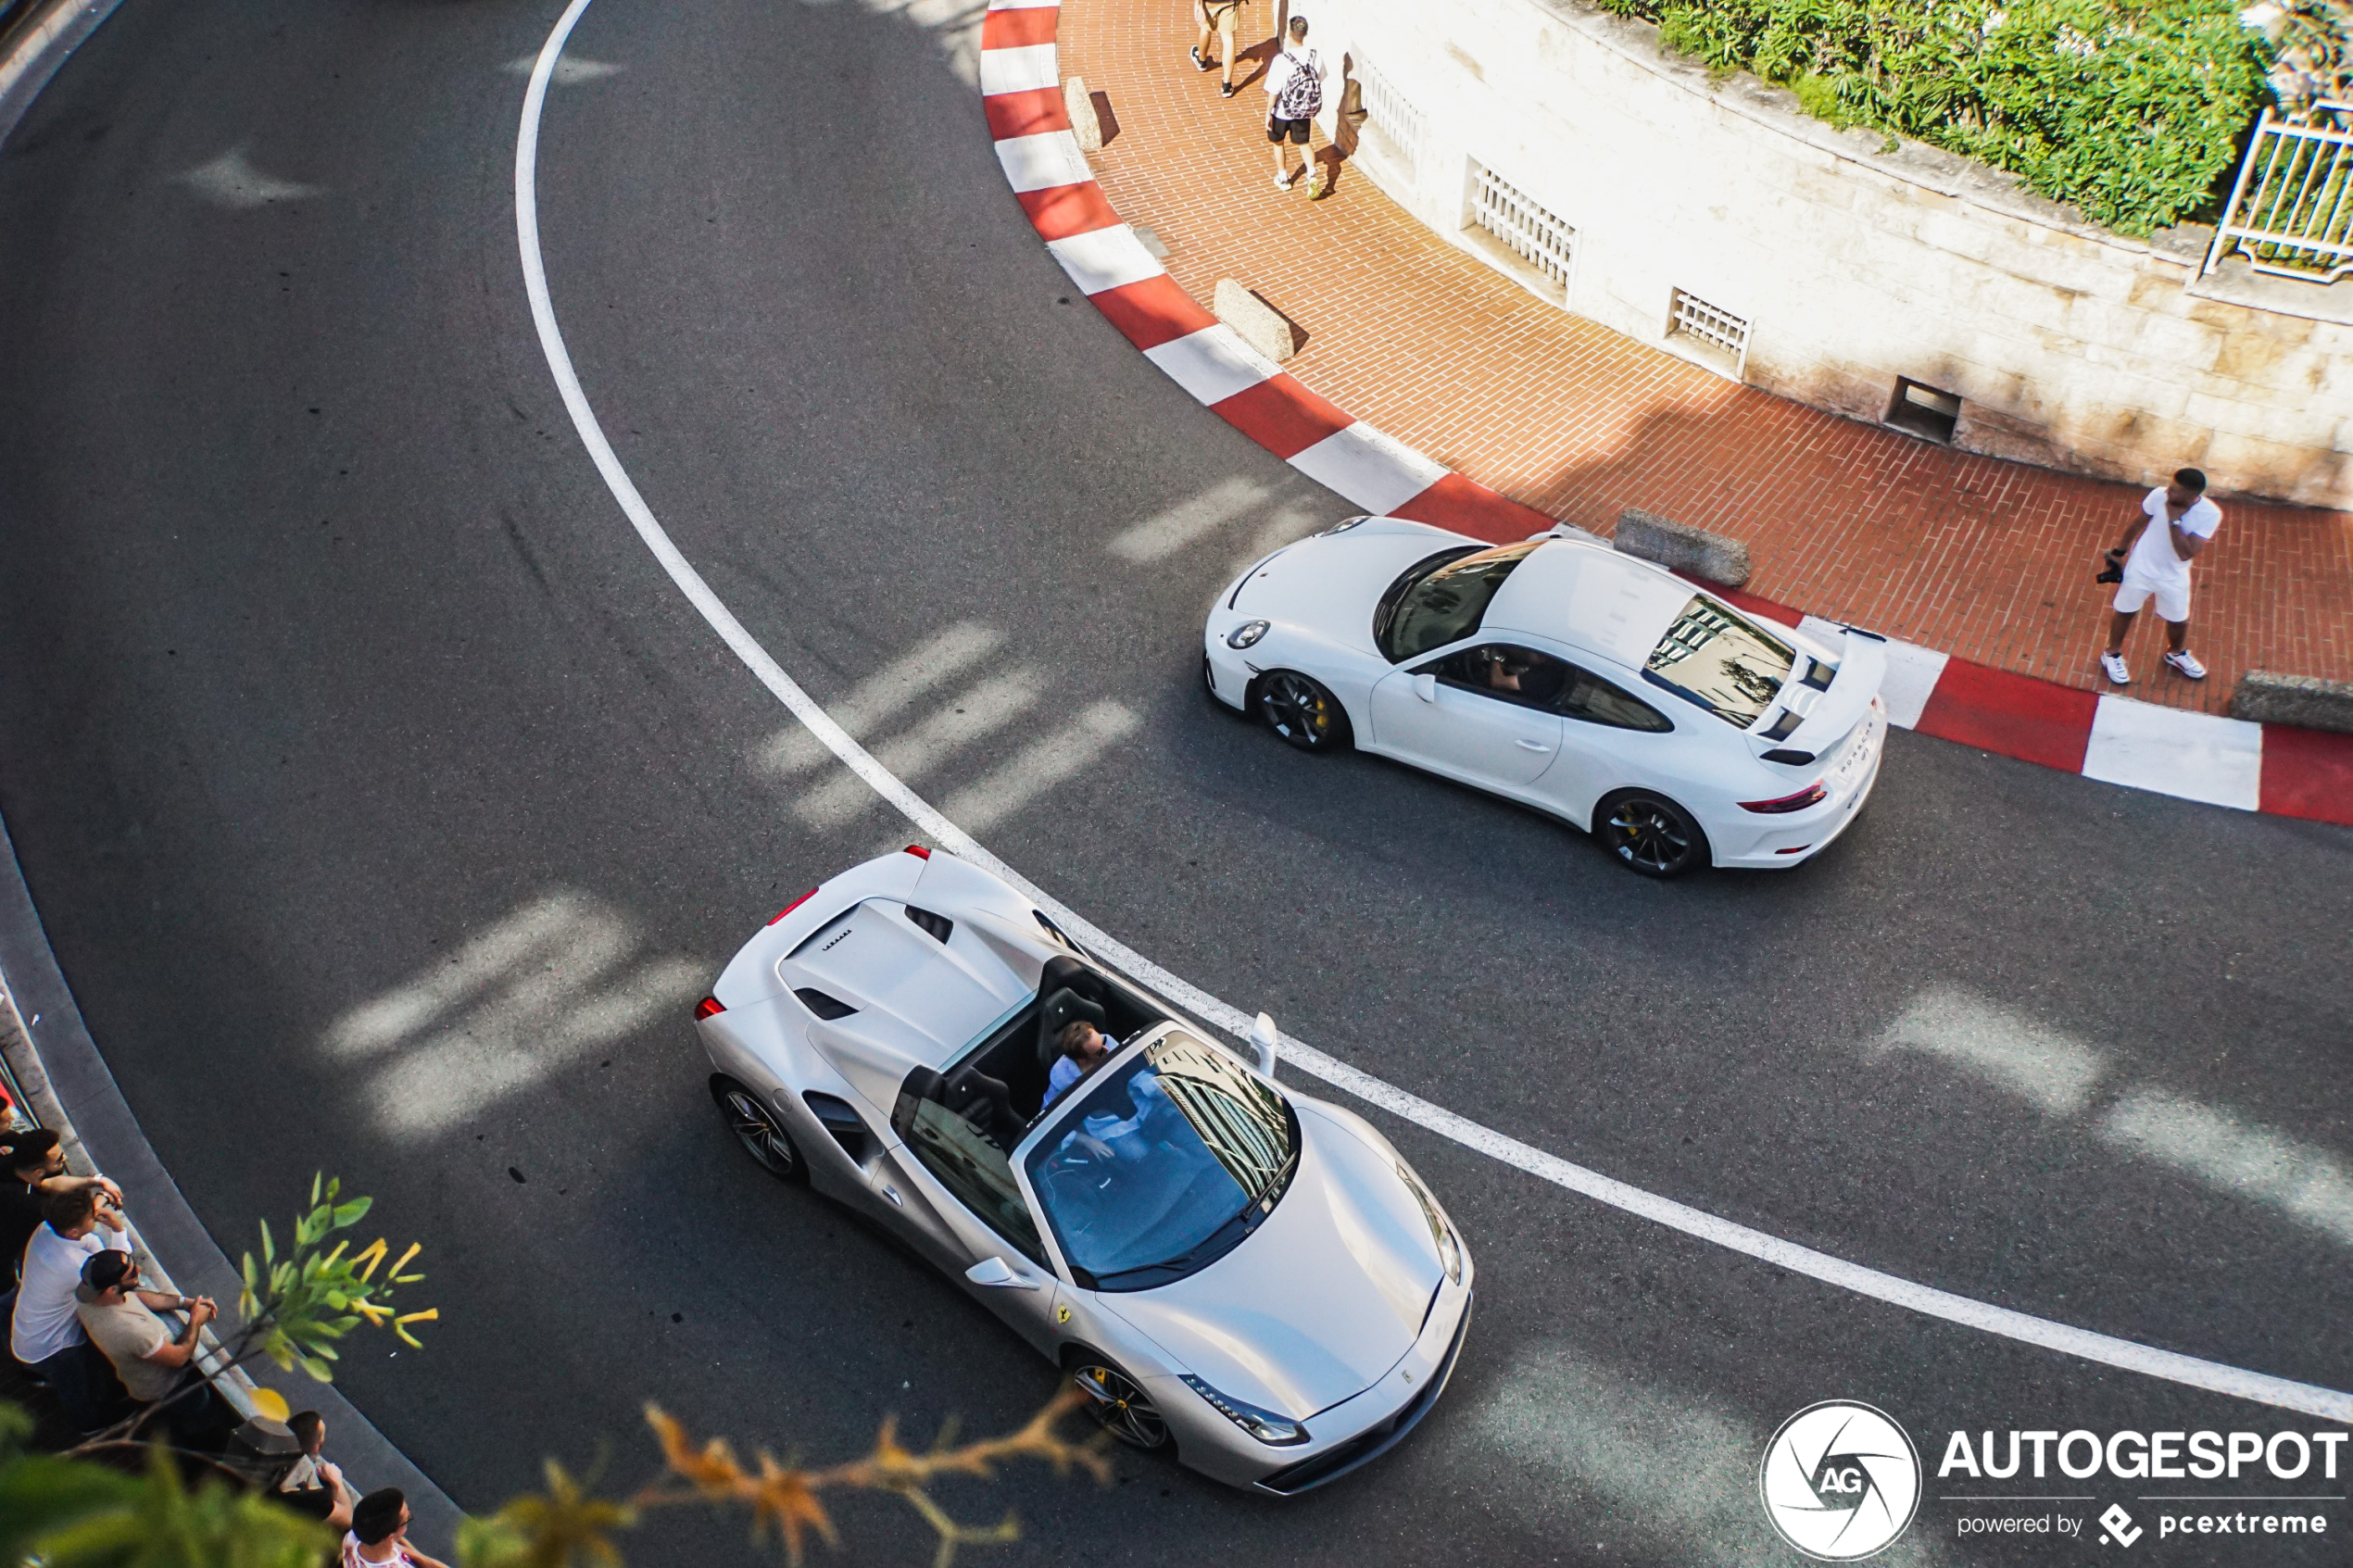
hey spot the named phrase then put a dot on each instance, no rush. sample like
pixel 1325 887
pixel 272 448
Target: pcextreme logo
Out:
pixel 1840 1480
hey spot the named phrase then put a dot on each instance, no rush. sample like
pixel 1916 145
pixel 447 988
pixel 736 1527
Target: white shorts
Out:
pixel 2173 598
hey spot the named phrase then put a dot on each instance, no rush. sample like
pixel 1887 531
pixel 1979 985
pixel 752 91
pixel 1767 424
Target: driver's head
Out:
pixel 1080 1041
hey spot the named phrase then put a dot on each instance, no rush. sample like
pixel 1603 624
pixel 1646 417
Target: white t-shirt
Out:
pixel 2153 556
pixel 45 1322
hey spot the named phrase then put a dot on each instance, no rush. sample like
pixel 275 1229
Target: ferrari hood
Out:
pixel 1328 586
pixel 1322 1300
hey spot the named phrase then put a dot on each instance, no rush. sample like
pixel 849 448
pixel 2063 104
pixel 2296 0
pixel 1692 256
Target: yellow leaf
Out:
pixel 270 1402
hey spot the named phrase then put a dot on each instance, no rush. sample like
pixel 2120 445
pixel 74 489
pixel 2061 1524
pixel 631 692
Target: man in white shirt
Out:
pixel 1295 95
pixel 2176 522
pixel 44 1331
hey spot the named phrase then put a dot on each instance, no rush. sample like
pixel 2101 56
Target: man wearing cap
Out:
pixel 120 1320
pixel 44 1332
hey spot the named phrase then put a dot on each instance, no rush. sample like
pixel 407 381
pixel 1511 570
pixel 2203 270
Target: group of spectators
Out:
pixel 82 1324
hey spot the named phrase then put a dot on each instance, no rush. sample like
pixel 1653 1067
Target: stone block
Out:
pixel 1084 124
pixel 1682 549
pixel 1258 323
pixel 2265 696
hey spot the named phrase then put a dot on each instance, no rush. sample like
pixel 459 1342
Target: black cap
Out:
pixel 105 1269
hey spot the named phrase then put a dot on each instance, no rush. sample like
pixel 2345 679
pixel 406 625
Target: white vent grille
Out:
pixel 1715 328
pixel 1389 115
pixel 1531 234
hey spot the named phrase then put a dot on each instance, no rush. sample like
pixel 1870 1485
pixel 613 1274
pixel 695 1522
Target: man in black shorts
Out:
pixel 1295 83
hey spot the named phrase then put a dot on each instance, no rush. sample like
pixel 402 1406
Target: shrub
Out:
pixel 2131 110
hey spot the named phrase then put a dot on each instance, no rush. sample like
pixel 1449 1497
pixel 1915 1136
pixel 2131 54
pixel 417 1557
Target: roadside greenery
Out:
pixel 2131 110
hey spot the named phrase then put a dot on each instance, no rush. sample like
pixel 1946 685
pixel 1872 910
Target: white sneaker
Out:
pixel 1283 182
pixel 2185 663
pixel 2112 665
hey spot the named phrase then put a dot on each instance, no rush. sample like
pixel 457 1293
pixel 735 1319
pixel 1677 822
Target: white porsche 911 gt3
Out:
pixel 1559 674
pixel 1251 1275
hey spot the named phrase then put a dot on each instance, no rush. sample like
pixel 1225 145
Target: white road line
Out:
pixel 2100 1348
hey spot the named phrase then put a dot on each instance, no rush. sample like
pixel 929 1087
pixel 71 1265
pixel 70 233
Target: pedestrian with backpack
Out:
pixel 1295 83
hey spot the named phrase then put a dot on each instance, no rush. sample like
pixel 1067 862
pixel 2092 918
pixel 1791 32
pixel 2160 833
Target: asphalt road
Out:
pixel 331 674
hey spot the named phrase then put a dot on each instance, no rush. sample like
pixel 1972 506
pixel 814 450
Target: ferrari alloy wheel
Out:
pixel 1118 1405
pixel 760 1130
pixel 1297 707
pixel 1653 835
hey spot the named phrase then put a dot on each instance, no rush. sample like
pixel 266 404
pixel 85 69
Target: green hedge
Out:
pixel 2130 110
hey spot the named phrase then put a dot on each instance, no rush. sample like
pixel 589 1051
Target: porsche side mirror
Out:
pixel 997 1271
pixel 1426 687
pixel 1262 1038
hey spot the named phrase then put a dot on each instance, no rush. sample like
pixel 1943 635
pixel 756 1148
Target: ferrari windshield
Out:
pixel 1164 1167
pixel 1725 663
pixel 1425 609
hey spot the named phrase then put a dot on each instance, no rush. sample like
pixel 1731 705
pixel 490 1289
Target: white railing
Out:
pixel 1533 235
pixel 1711 326
pixel 2291 212
pixel 1398 123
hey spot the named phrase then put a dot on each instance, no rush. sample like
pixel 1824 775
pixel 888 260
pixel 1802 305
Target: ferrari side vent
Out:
pixel 847 1128
pixel 825 1007
pixel 936 925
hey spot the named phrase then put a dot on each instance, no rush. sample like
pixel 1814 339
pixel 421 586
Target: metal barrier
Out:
pixel 2291 210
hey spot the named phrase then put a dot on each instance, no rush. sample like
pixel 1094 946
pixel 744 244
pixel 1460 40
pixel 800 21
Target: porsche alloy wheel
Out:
pixel 1118 1405
pixel 1652 835
pixel 1297 707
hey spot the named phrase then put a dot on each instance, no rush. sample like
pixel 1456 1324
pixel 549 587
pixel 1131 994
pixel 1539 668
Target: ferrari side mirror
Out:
pixel 1263 1038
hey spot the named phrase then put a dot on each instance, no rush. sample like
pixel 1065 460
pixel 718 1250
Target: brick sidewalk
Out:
pixel 1986 560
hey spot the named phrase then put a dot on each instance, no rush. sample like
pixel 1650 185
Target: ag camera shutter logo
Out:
pixel 1840 1480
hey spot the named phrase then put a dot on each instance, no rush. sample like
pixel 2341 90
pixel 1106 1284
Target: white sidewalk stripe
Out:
pixel 2195 756
pixel 2235 1382
pixel 1043 161
pixel 1213 364
pixel 1106 258
pixel 1376 470
pixel 1023 70
pixel 1912 674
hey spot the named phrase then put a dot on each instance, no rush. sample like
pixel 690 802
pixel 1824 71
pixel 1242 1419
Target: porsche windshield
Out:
pixel 1725 663
pixel 1427 609
pixel 1164 1167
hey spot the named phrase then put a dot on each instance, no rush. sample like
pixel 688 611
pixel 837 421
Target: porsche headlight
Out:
pixel 1450 1252
pixel 1246 634
pixel 1265 1425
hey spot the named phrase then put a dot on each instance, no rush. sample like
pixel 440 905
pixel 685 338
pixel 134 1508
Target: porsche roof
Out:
pixel 1592 596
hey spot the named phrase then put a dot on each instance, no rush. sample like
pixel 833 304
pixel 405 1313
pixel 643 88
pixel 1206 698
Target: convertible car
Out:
pixel 1251 1276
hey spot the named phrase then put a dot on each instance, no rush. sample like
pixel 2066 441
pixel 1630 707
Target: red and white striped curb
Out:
pixel 2195 755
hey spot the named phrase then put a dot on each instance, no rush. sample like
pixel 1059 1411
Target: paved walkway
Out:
pixel 1986 560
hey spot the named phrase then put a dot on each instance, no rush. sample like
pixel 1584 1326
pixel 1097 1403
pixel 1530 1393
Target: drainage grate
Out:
pixel 1531 234
pixel 1395 122
pixel 1715 328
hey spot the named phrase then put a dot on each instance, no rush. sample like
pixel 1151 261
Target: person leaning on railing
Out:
pixel 156 1367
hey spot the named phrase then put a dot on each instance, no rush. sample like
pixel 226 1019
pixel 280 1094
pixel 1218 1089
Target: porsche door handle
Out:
pixel 1533 746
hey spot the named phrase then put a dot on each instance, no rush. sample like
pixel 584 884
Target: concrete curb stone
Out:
pixel 2268 697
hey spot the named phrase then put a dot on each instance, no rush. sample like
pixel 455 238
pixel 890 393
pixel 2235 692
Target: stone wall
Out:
pixel 1855 260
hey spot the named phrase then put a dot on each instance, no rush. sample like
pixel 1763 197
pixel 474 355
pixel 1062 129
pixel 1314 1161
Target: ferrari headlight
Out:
pixel 1450 1252
pixel 1265 1425
pixel 1246 634
pixel 1345 524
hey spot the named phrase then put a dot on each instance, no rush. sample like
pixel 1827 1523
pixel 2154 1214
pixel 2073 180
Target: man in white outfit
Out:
pixel 2176 522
